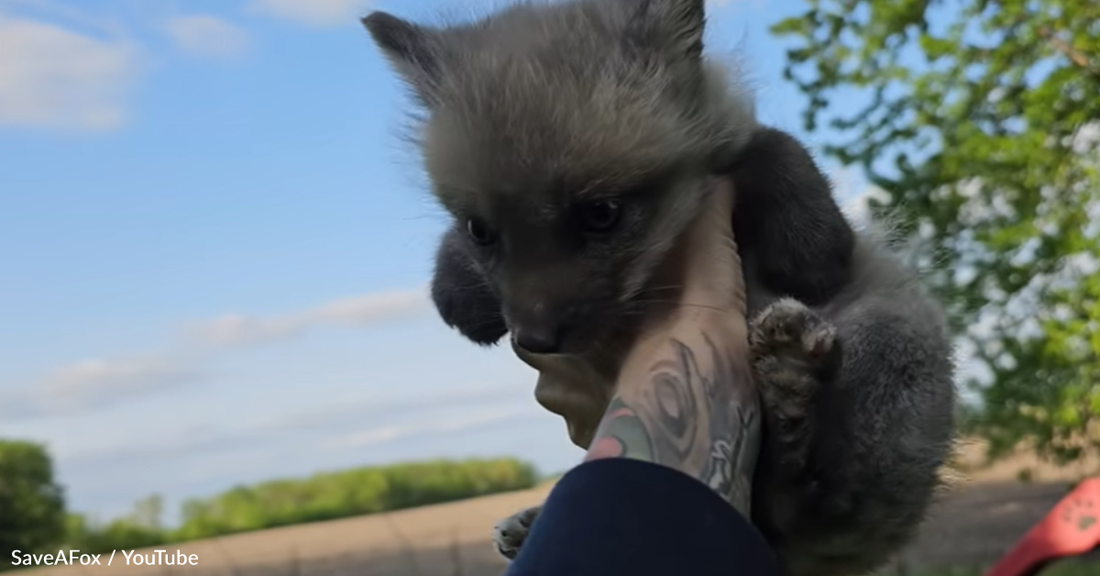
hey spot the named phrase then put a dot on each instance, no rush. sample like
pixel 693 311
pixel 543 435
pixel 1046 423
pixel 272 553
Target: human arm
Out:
pixel 676 446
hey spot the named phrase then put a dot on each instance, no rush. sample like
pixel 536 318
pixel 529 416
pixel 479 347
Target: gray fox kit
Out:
pixel 569 140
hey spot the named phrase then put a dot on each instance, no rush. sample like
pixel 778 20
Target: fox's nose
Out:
pixel 542 338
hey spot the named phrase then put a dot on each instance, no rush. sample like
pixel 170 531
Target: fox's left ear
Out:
pixel 676 26
pixel 414 51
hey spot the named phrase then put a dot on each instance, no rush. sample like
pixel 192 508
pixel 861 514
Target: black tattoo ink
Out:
pixel 706 425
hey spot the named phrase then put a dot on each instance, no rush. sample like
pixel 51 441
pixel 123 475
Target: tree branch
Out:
pixel 1076 56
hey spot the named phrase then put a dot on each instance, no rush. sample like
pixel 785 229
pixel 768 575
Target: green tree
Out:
pixel 980 120
pixel 120 534
pixel 32 515
pixel 147 512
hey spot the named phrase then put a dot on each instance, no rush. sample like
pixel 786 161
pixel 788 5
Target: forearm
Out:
pixel 685 408
pixel 686 400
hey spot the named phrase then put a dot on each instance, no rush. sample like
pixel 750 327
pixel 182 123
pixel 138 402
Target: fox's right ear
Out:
pixel 462 297
pixel 414 51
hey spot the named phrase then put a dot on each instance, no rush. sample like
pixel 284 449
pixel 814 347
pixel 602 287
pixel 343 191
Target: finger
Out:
pixel 712 274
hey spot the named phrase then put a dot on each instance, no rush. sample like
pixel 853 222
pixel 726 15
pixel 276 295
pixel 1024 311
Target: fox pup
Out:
pixel 570 141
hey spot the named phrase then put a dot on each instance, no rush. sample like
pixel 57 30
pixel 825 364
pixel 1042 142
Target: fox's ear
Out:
pixel 787 218
pixel 676 26
pixel 413 50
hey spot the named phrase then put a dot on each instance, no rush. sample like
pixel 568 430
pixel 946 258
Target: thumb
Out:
pixel 713 277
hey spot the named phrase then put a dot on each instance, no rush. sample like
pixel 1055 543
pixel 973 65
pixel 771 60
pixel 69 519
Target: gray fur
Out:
pixel 535 114
pixel 521 124
pixel 879 429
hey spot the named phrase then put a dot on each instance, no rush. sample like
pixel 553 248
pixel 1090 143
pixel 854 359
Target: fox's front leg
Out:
pixel 796 353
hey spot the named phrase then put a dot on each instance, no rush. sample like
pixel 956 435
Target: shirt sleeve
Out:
pixel 621 516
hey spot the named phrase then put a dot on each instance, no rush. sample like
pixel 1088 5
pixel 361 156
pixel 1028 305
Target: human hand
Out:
pixel 684 397
pixel 706 266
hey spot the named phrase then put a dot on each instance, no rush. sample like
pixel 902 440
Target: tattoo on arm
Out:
pixel 701 418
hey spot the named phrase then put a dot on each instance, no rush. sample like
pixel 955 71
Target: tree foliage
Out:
pixel 31 505
pixel 980 120
pixel 120 534
pixel 33 518
pixel 140 529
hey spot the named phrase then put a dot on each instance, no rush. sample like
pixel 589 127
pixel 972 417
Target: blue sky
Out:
pixel 214 248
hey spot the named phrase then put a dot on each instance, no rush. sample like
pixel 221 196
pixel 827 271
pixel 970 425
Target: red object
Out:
pixel 1070 529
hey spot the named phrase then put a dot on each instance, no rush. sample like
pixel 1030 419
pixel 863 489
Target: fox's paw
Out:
pixel 510 533
pixel 790 330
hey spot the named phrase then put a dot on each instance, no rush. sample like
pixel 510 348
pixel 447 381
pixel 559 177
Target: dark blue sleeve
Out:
pixel 628 517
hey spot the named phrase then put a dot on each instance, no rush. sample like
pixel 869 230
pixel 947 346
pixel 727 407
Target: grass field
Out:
pixel 971 527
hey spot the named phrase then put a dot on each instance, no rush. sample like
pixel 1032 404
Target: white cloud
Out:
pixel 58 11
pixel 56 78
pixel 236 329
pixel 110 376
pixel 371 308
pixel 207 36
pixel 452 411
pixel 100 383
pixel 354 414
pixel 312 12
pixel 96 383
pixel 386 434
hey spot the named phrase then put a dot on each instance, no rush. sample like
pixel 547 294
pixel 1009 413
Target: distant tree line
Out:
pixel 351 493
pixel 33 516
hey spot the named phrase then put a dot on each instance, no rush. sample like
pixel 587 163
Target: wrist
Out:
pixel 685 400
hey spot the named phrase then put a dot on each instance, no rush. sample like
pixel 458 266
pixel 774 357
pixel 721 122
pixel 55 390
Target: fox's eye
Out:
pixel 601 216
pixel 479 232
